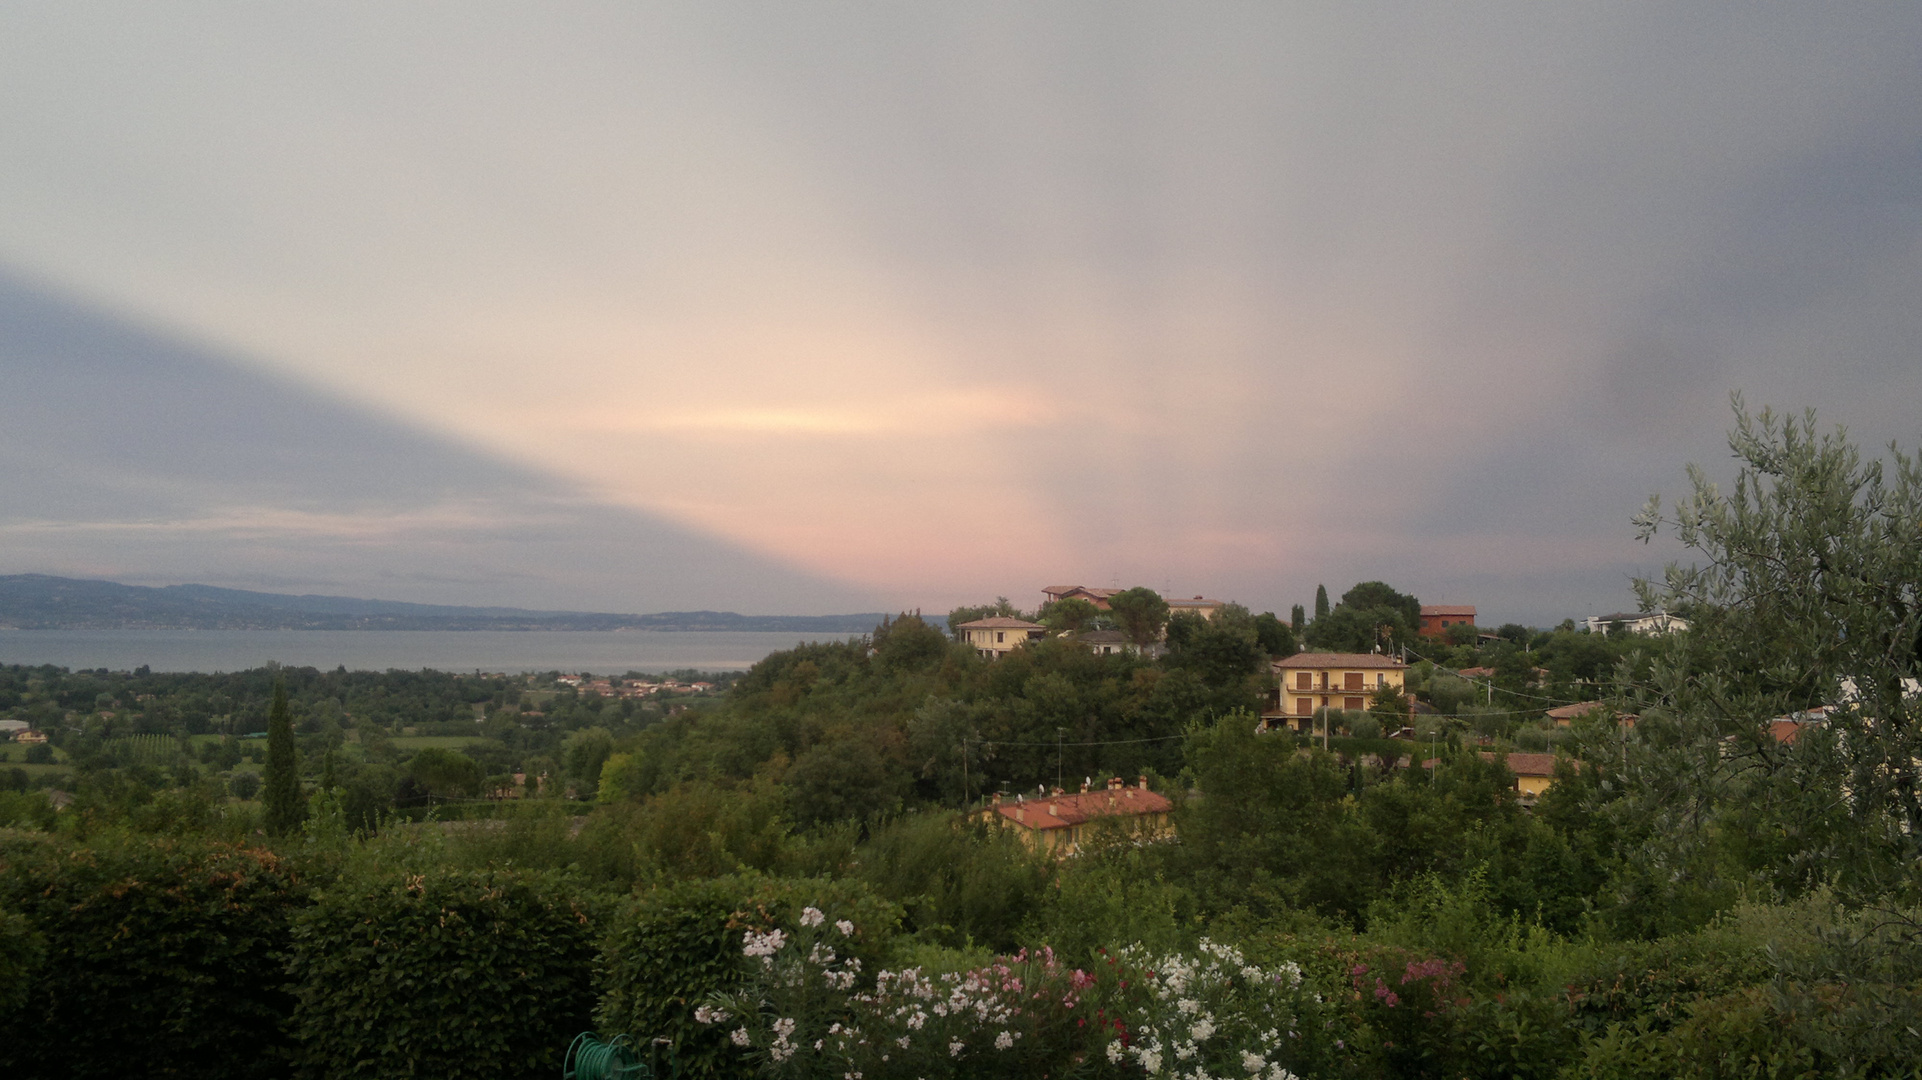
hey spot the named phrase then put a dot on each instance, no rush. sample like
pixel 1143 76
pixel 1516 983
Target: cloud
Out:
pixel 1233 297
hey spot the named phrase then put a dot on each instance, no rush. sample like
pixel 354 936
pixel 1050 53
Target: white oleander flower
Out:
pixel 955 1048
pixel 811 916
pixel 1003 1041
pixel 1253 1062
pixel 1116 1052
pixel 740 1036
pixel 846 927
pixel 784 1027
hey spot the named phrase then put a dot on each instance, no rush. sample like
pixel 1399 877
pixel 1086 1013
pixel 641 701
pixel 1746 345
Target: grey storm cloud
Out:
pixel 1285 293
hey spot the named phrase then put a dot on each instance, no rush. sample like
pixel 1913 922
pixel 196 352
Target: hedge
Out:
pixel 670 948
pixel 447 975
pixel 159 957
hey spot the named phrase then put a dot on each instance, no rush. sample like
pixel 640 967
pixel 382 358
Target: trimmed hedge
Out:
pixel 446 975
pixel 668 949
pixel 162 957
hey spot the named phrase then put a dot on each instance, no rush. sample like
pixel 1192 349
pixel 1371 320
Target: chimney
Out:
pixel 1141 782
pixel 1084 787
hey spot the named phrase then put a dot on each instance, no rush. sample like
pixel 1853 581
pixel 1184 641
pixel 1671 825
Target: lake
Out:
pixel 601 652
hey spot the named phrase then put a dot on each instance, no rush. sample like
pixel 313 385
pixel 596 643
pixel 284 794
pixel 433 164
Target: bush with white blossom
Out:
pixel 808 1010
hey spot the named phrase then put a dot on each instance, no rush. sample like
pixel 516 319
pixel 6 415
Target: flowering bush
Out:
pixel 808 1011
pixel 1213 1015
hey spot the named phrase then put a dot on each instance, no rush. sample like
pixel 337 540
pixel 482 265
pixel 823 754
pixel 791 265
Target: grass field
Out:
pixel 445 742
pixel 16 754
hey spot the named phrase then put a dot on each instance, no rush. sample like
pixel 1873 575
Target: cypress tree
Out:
pixel 280 787
pixel 1321 601
pixel 1296 619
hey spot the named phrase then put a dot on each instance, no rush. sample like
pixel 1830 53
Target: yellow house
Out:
pixel 1057 824
pixel 1198 606
pixel 1000 635
pixel 1311 681
pixel 1534 773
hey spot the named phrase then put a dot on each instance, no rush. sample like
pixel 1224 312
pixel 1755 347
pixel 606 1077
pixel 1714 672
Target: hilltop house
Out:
pixel 1437 618
pixel 1095 596
pixel 999 635
pixel 1198 606
pixel 1058 823
pixel 1647 622
pixel 1104 642
pixel 1311 681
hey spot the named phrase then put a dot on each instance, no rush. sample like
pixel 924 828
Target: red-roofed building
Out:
pixel 1097 597
pixel 1058 824
pixel 1437 618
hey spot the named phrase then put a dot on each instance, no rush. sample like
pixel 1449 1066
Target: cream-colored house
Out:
pixel 1311 681
pixel 997 636
pixel 1198 606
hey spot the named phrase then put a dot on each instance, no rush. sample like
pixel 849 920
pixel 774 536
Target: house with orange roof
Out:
pixel 1096 596
pixel 1437 618
pixel 1059 823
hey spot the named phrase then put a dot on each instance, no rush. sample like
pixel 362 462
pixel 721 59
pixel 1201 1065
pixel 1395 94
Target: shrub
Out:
pixel 161 955
pixel 444 974
pixel 670 949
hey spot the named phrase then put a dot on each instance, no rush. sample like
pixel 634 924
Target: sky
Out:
pixel 797 308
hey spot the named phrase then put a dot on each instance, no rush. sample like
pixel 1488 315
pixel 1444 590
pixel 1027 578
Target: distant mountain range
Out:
pixel 41 602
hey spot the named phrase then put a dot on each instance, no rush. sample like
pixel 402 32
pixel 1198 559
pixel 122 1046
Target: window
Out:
pixel 1352 704
pixel 1304 706
pixel 1304 680
pixel 1000 637
pixel 1351 680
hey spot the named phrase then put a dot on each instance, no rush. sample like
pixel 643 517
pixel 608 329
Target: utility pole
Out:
pixel 966 800
pixel 1059 735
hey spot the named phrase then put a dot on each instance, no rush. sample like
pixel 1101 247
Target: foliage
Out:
pixel 1140 613
pixel 160 954
pixel 1811 594
pixel 448 973
pixel 279 780
pixel 669 949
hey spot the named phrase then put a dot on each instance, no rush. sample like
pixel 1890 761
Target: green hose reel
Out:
pixel 590 1058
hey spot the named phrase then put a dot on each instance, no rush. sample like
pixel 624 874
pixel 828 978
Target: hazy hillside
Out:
pixel 41 602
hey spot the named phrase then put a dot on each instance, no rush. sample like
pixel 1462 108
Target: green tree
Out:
pixel 1374 594
pixel 1069 615
pixel 1297 620
pixel 1140 612
pixel 1001 607
pixel 1810 593
pixel 1321 602
pixel 1277 638
pixel 285 806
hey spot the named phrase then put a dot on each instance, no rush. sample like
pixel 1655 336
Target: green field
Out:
pixel 445 742
pixel 16 754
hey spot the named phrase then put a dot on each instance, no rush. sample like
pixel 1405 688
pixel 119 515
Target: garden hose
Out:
pixel 589 1058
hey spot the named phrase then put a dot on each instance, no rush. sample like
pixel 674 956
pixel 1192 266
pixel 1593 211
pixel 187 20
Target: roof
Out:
pixel 1102 637
pixel 1570 712
pixel 1055 590
pixel 1448 609
pixel 1062 811
pixel 1340 660
pixel 1196 602
pixel 1631 616
pixel 1000 622
pixel 1529 764
pixel 1477 673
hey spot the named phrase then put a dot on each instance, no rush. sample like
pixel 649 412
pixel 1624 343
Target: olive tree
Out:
pixel 1807 592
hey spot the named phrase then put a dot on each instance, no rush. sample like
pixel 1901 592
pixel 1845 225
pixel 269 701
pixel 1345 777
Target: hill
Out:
pixel 43 602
